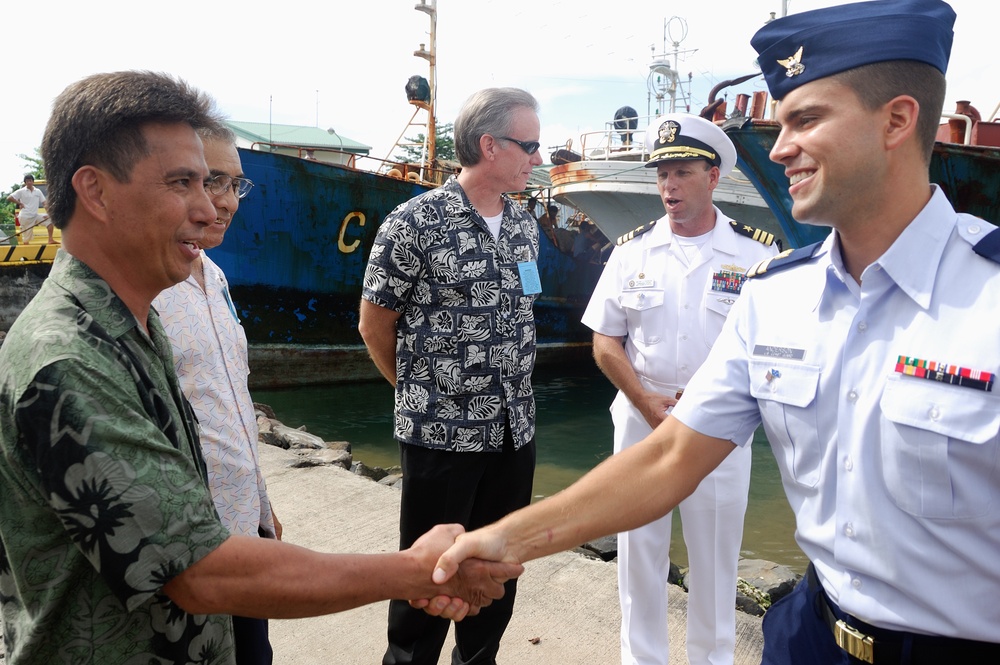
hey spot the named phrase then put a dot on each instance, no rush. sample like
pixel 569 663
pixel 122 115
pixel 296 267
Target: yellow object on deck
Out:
pixel 26 254
pixel 37 250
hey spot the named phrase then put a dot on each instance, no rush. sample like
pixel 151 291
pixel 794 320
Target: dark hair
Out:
pixel 878 83
pixel 99 120
pixel 28 177
pixel 488 111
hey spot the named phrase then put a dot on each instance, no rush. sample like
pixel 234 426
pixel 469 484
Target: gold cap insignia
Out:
pixel 668 131
pixel 793 65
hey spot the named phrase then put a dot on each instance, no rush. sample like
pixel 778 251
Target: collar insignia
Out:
pixel 793 65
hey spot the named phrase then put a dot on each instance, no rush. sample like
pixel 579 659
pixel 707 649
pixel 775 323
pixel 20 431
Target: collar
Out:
pixel 454 188
pixel 723 237
pixel 925 237
pixel 93 294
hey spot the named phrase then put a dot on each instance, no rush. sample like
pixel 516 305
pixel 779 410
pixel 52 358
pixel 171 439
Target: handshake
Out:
pixel 463 581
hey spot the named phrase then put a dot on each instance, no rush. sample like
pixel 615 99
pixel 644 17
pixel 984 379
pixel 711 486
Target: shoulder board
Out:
pixel 635 232
pixel 989 246
pixel 787 258
pixel 761 236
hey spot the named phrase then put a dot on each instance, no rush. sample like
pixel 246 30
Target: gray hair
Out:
pixel 488 111
pixel 99 120
pixel 220 132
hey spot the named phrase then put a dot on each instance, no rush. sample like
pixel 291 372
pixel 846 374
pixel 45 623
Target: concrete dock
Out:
pixel 567 604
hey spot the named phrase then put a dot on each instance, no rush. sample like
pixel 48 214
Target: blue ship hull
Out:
pixel 968 174
pixel 296 252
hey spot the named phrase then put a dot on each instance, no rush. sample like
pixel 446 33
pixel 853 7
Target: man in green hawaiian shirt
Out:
pixel 112 550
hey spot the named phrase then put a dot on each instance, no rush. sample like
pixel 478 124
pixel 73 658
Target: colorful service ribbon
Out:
pixel 728 281
pixel 945 373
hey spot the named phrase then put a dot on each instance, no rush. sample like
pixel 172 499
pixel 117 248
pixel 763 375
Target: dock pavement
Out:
pixel 567 604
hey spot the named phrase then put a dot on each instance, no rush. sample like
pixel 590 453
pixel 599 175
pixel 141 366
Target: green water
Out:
pixel 574 433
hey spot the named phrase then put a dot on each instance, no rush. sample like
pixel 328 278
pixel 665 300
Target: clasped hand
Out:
pixel 469 584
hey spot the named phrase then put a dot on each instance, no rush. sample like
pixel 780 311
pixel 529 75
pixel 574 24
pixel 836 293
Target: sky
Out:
pixel 343 64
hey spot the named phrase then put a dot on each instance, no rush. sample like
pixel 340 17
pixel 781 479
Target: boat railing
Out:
pixel 413 172
pixel 964 120
pixel 617 141
pixel 966 126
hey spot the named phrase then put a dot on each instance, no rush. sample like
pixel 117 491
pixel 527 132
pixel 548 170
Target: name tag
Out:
pixel 778 352
pixel 641 283
pixel 531 283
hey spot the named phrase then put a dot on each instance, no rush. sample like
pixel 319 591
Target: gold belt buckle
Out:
pixel 854 642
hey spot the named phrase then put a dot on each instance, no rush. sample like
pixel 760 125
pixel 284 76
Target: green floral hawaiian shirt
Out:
pixel 103 495
pixel 466 338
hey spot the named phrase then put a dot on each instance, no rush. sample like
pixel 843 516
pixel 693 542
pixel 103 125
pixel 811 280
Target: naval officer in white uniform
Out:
pixel 659 305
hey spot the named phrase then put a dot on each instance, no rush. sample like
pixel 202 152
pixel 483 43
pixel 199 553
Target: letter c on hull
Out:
pixel 341 245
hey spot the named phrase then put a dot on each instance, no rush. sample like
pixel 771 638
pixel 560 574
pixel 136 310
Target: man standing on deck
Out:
pixel 446 314
pixel 28 200
pixel 210 356
pixel 111 549
pixel 871 359
pixel 657 309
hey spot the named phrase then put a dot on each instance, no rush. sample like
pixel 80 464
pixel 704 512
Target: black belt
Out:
pixel 881 646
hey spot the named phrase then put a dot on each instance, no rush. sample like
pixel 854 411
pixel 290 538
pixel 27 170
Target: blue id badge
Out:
pixel 530 281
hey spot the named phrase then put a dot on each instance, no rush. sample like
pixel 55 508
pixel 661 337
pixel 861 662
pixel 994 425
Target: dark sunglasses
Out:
pixel 530 147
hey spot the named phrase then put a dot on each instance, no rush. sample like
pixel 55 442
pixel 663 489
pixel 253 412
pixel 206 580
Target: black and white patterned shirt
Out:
pixel 465 343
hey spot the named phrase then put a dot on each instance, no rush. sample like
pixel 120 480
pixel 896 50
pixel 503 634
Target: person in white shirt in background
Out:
pixel 29 199
pixel 210 355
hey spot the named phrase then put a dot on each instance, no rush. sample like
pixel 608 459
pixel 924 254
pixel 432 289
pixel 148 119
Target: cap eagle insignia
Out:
pixel 793 65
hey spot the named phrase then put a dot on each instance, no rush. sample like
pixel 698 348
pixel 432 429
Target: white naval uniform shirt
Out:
pixel 210 355
pixel 894 480
pixel 666 307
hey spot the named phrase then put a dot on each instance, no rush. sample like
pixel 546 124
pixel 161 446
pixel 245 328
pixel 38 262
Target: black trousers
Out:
pixel 252 645
pixel 471 489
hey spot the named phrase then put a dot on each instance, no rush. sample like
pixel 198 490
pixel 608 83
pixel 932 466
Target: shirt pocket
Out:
pixel 788 408
pixel 715 313
pixel 939 448
pixel 645 307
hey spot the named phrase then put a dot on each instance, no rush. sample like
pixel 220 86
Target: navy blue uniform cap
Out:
pixel 800 48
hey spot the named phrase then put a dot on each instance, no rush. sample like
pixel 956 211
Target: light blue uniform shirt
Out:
pixel 894 480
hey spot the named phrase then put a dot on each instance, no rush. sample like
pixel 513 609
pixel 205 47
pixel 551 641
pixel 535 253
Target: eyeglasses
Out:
pixel 220 184
pixel 530 147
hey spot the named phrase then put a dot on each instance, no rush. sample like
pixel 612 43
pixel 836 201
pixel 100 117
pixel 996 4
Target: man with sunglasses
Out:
pixel 446 313
pixel 210 356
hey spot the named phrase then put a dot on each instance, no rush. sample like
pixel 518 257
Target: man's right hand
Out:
pixel 653 407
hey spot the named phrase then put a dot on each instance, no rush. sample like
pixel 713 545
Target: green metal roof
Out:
pixel 309 137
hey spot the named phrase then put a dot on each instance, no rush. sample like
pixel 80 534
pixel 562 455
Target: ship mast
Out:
pixel 422 94
pixel 664 80
pixel 430 55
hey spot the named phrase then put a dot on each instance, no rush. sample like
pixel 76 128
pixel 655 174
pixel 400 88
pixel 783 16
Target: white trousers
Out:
pixel 712 523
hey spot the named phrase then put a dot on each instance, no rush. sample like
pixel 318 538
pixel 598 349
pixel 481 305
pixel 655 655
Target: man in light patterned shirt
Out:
pixel 447 317
pixel 210 356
